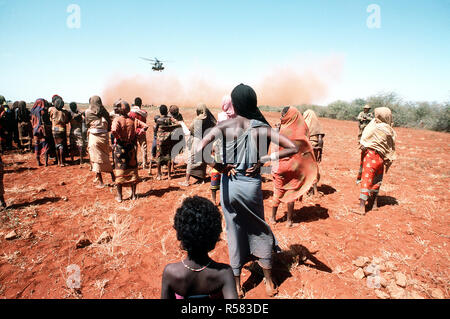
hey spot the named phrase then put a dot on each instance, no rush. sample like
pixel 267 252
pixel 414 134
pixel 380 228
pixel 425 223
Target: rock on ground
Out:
pixel 359 274
pixel 400 279
pixel 11 235
pixel 361 261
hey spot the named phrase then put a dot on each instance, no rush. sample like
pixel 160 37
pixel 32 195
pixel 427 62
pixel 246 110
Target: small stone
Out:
pixel 11 235
pixel 400 279
pixel 437 294
pixel 62 183
pixel 83 242
pixel 361 262
pixel 415 295
pixel 111 219
pixel 381 294
pixel 409 230
pixel 382 267
pixel 104 238
pixel 376 260
pixel 28 234
pixel 390 265
pixel 359 274
pixel 64 198
pixel 396 292
pixel 383 282
pixel 371 270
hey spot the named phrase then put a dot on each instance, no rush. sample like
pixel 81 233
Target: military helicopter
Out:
pixel 157 64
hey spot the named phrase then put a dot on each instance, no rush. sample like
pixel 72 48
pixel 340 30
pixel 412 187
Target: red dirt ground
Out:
pixel 50 208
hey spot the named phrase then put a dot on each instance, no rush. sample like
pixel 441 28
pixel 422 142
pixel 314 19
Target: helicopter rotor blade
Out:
pixel 148 59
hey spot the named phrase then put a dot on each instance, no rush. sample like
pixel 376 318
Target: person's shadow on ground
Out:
pixel 283 262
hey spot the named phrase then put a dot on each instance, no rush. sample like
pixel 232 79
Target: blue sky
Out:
pixel 236 41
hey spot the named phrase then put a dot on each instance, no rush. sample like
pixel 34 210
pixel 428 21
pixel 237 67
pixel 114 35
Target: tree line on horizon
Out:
pixel 424 115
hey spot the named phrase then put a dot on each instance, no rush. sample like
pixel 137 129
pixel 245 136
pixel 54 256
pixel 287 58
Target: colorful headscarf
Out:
pixel 227 108
pixel 36 117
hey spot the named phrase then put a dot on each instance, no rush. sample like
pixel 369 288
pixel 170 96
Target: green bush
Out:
pixel 425 115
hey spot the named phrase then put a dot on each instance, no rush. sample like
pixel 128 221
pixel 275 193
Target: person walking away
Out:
pixel 377 146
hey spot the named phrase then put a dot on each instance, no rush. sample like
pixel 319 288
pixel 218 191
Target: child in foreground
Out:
pixel 198 224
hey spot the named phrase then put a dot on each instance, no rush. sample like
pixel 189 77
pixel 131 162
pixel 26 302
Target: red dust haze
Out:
pixel 288 85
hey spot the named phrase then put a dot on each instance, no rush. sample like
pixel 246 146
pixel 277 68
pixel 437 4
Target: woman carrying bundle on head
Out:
pixel 124 129
pixel 293 176
pixel 99 124
pixel 377 146
pixel 203 122
pixel 245 147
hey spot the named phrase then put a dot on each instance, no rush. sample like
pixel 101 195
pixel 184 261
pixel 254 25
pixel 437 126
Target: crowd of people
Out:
pixel 236 146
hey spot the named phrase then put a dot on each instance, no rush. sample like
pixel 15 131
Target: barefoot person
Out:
pixel 98 123
pixel 42 130
pixel 164 143
pixel 246 141
pixel 203 122
pixel 293 176
pixel 125 131
pixel 377 152
pixel 60 118
pixel 198 224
